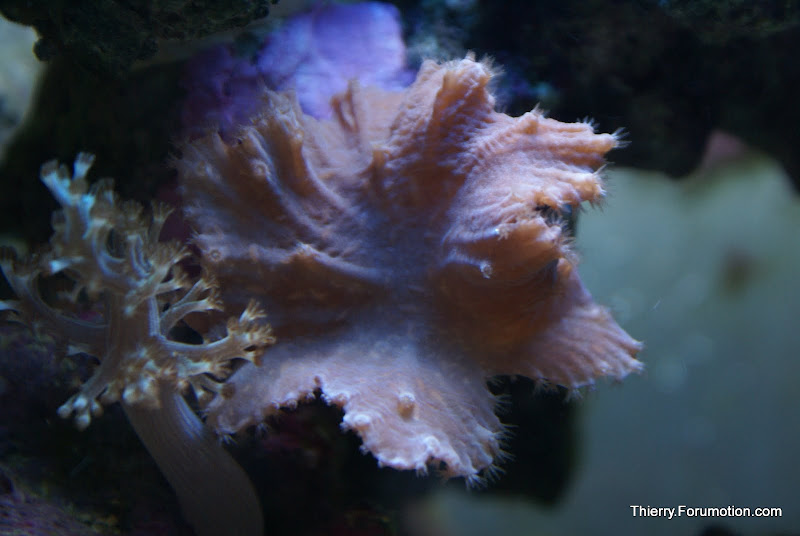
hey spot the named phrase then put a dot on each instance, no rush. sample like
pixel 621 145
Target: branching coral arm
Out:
pixel 21 277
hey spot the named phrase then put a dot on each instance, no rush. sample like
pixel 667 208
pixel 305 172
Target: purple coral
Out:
pixel 316 54
pixel 319 53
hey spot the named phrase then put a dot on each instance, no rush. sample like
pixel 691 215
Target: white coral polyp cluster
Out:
pixel 127 294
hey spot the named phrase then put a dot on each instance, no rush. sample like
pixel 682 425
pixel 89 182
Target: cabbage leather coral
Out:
pixel 124 294
pixel 408 249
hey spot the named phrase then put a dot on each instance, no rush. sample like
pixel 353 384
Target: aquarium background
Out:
pixel 711 287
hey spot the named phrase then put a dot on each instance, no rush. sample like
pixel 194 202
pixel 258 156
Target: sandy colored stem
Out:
pixel 215 494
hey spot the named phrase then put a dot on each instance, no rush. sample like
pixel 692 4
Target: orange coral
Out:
pixel 407 250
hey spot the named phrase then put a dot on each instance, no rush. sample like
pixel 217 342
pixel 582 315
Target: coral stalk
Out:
pixel 215 494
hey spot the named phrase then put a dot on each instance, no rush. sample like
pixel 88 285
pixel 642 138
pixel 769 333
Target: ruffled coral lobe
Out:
pixel 406 250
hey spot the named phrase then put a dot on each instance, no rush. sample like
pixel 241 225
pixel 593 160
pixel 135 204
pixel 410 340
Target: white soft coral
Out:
pixel 111 253
pixel 125 294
